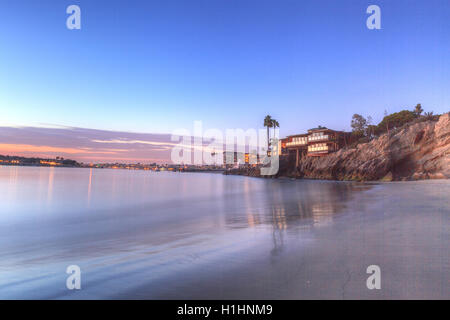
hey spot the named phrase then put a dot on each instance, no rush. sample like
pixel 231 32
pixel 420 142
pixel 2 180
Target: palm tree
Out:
pixel 268 122
pixel 275 125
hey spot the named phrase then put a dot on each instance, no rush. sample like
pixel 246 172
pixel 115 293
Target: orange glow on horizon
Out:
pixel 21 148
pixel 79 154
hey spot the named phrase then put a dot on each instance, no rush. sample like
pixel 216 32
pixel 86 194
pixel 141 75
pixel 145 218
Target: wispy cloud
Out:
pixel 91 145
pixel 122 141
pixel 85 144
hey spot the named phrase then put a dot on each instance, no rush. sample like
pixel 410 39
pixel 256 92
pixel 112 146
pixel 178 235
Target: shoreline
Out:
pixel 224 172
pixel 290 177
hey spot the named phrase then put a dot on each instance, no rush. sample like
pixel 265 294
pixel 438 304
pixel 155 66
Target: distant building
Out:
pixel 246 158
pixel 233 158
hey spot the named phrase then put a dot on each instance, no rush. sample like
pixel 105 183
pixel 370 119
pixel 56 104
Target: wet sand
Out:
pixel 401 227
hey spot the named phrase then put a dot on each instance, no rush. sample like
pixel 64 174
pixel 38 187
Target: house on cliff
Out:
pixel 322 141
pixel 317 142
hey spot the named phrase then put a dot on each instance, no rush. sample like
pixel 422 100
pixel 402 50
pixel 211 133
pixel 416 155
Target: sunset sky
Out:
pixel 137 70
pixel 85 144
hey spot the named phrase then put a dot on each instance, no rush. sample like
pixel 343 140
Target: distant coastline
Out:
pixel 60 162
pixel 38 162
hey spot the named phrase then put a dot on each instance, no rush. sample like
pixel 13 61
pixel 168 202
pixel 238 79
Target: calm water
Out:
pixel 138 234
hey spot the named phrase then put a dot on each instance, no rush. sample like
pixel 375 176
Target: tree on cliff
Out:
pixel 387 127
pixel 429 115
pixel 418 110
pixel 370 130
pixel 395 120
pixel 359 124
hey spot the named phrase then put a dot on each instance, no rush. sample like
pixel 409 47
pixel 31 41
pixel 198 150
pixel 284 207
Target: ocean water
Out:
pixel 163 235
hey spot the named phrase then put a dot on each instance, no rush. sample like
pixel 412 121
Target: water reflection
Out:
pixel 208 199
pixel 155 219
pixel 288 205
pixel 89 188
pixel 285 204
pixel 183 235
pixel 50 185
pixel 12 187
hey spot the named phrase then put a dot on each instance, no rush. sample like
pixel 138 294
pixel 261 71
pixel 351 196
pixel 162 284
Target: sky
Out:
pixel 86 145
pixel 151 67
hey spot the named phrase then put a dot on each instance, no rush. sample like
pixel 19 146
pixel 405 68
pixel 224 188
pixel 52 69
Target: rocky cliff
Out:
pixel 416 151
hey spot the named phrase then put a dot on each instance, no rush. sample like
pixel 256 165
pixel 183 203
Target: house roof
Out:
pixel 297 135
pixel 321 128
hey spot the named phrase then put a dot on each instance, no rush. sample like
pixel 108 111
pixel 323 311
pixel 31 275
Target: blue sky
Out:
pixel 154 66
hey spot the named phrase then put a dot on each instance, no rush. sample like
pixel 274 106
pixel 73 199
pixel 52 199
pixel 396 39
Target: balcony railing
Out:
pixel 296 143
pixel 318 138
pixel 318 149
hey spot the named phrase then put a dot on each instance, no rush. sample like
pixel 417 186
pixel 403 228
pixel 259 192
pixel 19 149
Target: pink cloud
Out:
pixel 86 145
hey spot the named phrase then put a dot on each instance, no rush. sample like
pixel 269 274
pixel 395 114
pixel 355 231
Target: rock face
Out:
pixel 415 151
